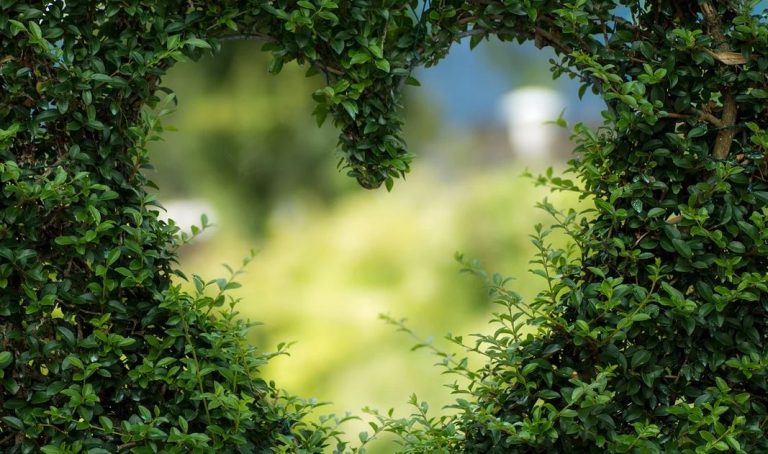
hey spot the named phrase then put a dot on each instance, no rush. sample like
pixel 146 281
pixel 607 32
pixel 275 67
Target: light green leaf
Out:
pixel 198 43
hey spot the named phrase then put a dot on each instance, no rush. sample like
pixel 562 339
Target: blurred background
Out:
pixel 331 256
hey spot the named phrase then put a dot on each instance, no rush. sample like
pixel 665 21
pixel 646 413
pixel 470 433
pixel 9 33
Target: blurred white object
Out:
pixel 527 111
pixel 186 213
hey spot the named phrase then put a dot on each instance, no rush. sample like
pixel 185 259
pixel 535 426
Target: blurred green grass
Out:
pixel 331 256
pixel 322 277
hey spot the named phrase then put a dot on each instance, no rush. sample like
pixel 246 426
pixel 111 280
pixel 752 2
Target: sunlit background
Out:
pixel 331 257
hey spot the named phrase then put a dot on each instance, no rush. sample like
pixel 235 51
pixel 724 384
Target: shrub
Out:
pixel 99 350
pixel 649 337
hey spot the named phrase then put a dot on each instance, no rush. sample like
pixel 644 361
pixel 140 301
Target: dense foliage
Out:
pixel 649 337
pixel 99 351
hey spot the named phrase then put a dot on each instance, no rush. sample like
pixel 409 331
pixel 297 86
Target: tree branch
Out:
pixel 714 24
pixel 700 115
pixel 728 131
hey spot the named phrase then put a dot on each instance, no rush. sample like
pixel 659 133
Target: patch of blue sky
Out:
pixel 468 85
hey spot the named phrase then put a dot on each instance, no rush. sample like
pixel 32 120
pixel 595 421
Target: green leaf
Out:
pixel 639 358
pixel 376 50
pixel 389 183
pixel 74 361
pixel 682 248
pixel 597 271
pixel 5 359
pixel 197 43
pixel 582 326
pixel 145 413
pixel 183 424
pixel 656 212
pixel 629 100
pixel 101 77
pixel 10 132
pixel 35 31
pixel 65 240
pixel 577 393
pixel 548 394
pixel 383 65
pixel 13 422
pixel 338 45
pixel 604 206
pixel 307 5
pixel 106 424
pixel 67 334
pixel 529 368
pixel 698 131
pixel 281 14
pixel 114 254
pixel 412 81
pixel 275 65
pixel 350 108
pixel 707 436
pixel 358 57
pixel 17 26
pixel 733 442
pixel 737 247
pixel 50 449
pixel 329 16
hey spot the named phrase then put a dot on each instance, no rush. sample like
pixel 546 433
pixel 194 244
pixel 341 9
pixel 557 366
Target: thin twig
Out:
pixel 328 69
pixel 553 40
pixel 640 238
pixel 626 23
pixel 472 32
pixel 7 437
pixel 249 37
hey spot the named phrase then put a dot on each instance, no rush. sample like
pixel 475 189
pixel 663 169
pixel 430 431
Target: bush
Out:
pixel 99 350
pixel 649 337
